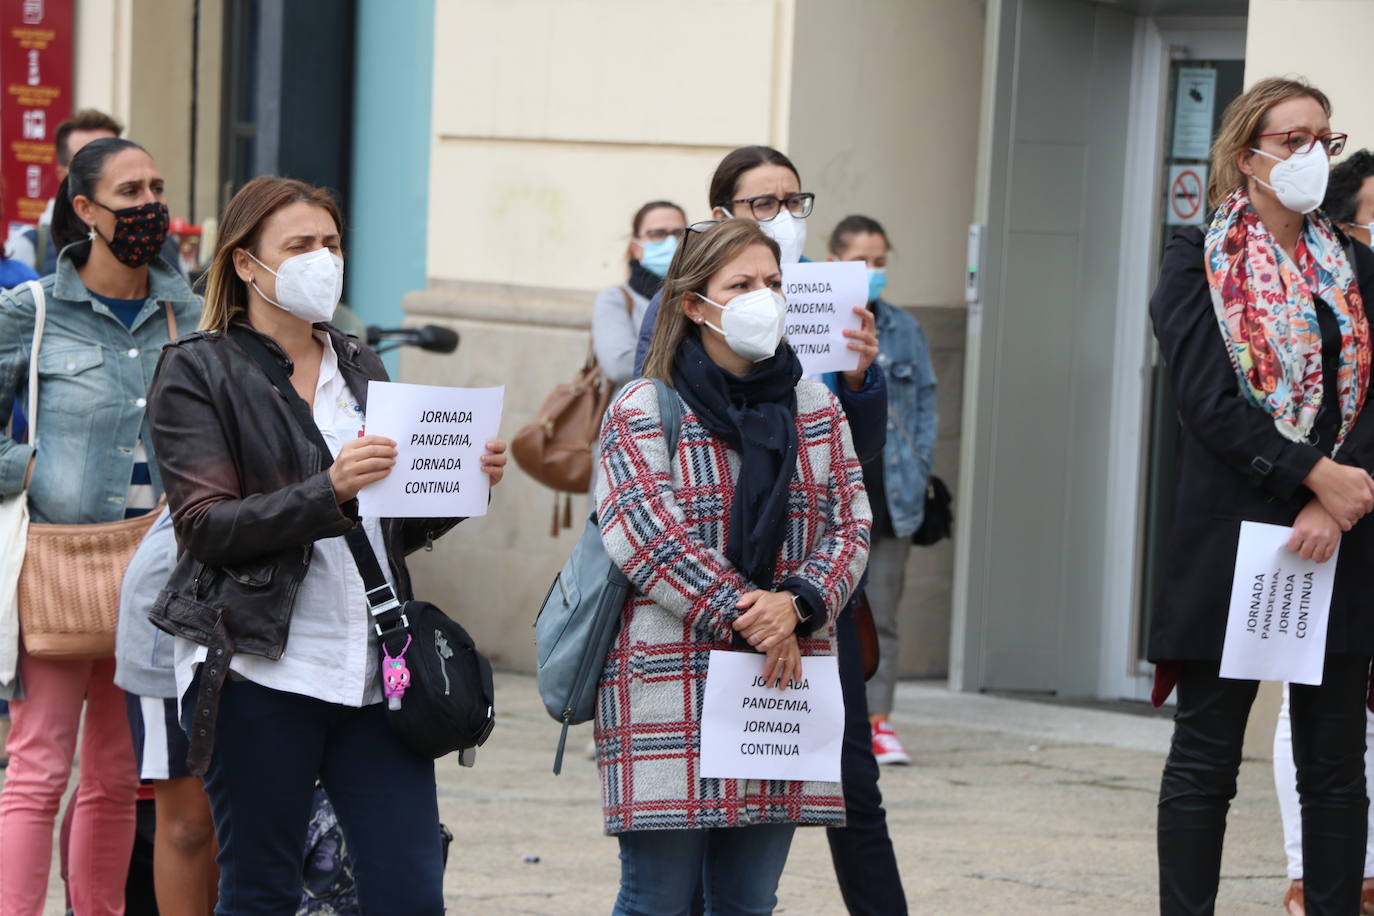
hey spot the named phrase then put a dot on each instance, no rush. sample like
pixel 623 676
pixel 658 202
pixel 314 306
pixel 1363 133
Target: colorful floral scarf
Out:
pixel 1264 305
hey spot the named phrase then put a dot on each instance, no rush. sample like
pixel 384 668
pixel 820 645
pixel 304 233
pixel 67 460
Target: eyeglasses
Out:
pixel 766 206
pixel 698 227
pixel 1301 141
pixel 658 235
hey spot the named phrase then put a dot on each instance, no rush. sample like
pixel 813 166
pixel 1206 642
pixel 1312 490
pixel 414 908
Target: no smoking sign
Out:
pixel 1187 195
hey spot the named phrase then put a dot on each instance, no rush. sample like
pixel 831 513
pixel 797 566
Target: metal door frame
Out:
pixel 1158 42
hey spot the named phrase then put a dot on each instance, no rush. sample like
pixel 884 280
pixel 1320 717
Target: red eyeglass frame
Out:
pixel 1325 139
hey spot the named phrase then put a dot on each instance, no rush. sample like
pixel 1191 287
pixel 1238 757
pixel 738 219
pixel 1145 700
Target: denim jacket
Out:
pixel 93 378
pixel 911 415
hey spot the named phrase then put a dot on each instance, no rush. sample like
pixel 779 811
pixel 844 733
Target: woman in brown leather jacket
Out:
pixel 276 662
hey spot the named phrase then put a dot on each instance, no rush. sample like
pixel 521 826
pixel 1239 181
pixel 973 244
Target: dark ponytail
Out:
pixel 83 175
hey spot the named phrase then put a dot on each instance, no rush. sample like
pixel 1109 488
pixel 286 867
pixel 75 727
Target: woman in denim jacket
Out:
pixel 896 482
pixel 108 308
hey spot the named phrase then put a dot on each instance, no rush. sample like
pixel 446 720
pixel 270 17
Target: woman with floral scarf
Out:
pixel 1262 319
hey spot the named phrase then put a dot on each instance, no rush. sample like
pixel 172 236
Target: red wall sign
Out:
pixel 36 69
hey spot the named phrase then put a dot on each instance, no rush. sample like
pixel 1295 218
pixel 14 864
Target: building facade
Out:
pixel 490 154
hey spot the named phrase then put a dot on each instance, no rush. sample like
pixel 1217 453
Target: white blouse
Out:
pixel 331 649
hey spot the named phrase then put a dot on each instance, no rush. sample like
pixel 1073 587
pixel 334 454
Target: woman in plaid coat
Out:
pixel 751 536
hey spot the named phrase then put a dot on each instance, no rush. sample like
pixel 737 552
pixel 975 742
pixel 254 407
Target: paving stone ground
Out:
pixel 1010 806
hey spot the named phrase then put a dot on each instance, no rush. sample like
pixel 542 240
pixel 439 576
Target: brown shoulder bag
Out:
pixel 556 448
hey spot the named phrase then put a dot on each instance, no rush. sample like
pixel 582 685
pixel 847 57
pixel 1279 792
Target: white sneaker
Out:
pixel 887 748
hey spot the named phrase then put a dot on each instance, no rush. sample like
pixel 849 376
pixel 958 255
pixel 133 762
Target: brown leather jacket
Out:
pixel 249 496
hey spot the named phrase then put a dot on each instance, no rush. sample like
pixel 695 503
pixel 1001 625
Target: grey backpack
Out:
pixel 580 615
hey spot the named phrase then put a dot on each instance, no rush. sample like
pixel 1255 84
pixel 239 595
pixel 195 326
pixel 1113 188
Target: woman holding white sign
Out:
pixel 752 535
pixel 276 657
pixel 896 481
pixel 1263 321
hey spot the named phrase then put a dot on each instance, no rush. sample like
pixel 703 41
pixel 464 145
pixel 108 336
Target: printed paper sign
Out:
pixel 752 731
pixel 821 296
pixel 441 435
pixel 1194 107
pixel 1187 195
pixel 1276 628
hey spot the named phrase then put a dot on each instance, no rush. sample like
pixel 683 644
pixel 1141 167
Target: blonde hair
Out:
pixel 225 294
pixel 1243 119
pixel 697 259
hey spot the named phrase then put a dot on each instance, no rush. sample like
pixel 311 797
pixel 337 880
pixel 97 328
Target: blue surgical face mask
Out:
pixel 658 255
pixel 877 281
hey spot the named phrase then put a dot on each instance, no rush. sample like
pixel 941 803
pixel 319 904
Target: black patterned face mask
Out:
pixel 139 234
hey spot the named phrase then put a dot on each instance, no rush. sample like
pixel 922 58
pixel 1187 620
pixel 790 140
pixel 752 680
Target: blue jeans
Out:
pixel 738 867
pixel 270 747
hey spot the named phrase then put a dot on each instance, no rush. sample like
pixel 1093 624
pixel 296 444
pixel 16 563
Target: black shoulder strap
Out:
pixel 381 600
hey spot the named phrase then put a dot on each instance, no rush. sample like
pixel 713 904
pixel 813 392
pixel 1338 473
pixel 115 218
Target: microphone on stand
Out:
pixel 432 337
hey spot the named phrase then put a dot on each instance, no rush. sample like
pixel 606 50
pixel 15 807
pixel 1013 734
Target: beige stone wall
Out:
pixel 885 123
pixel 101 54
pixel 1277 28
pixel 885 106
pixel 555 119
pixel 134 60
pixel 493 572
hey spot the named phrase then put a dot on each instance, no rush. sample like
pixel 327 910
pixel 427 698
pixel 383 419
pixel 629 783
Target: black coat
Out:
pixel 1233 465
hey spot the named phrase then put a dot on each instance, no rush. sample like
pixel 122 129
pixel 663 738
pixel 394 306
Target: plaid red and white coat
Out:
pixel 666 527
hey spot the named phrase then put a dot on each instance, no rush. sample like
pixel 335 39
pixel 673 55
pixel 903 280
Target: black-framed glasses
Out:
pixel 658 235
pixel 1301 141
pixel 766 206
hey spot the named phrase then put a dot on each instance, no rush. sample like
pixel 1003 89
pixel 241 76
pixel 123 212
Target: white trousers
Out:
pixel 1286 785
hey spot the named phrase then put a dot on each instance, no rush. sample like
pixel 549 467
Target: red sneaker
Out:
pixel 887 748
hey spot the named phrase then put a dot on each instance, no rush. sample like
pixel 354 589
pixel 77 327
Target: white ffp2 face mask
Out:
pixel 1299 182
pixel 789 232
pixel 309 285
pixel 751 323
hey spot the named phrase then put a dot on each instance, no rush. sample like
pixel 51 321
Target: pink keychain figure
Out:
pixel 395 676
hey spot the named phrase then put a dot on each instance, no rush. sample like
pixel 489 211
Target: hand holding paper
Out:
pixel 783 663
pixel 1280 603
pixel 361 461
pixel 864 341
pixel 447 454
pixel 494 461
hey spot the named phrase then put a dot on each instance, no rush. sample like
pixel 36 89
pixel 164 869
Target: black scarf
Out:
pixel 757 416
pixel 643 280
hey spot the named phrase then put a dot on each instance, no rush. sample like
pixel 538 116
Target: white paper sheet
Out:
pixel 441 435
pixel 749 731
pixel 821 296
pixel 1276 628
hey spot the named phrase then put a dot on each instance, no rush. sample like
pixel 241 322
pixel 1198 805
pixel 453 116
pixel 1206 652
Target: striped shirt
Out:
pixel 141 498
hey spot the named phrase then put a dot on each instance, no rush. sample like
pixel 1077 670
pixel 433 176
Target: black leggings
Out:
pixel 1200 781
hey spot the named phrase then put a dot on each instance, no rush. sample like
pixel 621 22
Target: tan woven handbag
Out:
pixel 69 584
pixel 556 448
